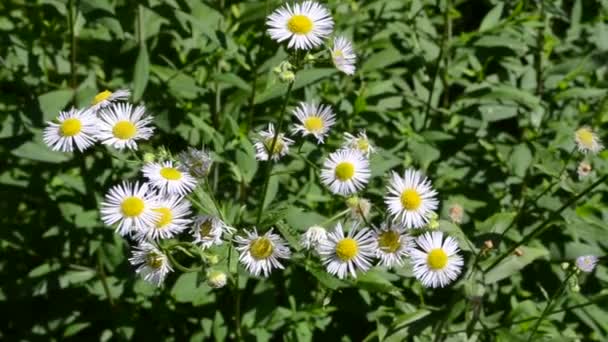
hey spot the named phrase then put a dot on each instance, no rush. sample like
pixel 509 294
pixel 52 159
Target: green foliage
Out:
pixel 483 96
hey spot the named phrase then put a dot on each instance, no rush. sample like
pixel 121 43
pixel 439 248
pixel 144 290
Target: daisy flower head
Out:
pixel 314 120
pixel 198 162
pixel 313 237
pixel 583 170
pixel 172 213
pixel 106 98
pixel 304 24
pixel 393 244
pixel 207 230
pixel 169 178
pixel 587 140
pixel 74 127
pixel 152 264
pixel 436 261
pixel 345 254
pixel 359 142
pixel 343 55
pixel 586 263
pixel 345 172
pixel 411 198
pixel 261 253
pixel 131 205
pixel 264 145
pixel 121 126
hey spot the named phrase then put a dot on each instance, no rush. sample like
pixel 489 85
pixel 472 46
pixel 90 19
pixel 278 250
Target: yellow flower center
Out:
pixel 170 173
pixel 313 124
pixel 124 130
pixel 104 95
pixel 389 241
pixel 70 127
pixel 347 249
pixel 154 260
pixel 261 248
pixel 585 136
pixel 362 145
pixel 345 171
pixel 205 228
pixel 278 146
pixel 437 259
pixel 299 24
pixel 337 54
pixel 165 217
pixel 410 199
pixel 132 206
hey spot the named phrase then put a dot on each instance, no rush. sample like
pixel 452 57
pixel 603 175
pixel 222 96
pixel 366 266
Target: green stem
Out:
pixel 545 224
pixel 215 203
pixel 179 266
pixel 270 162
pixel 237 307
pixel 102 275
pixel 549 305
pixel 335 217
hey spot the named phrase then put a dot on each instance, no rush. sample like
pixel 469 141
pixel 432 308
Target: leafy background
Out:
pixel 484 96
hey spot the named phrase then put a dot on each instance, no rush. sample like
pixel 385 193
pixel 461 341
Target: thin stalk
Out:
pixel 335 217
pixel 102 275
pixel 179 266
pixel 73 8
pixel 237 307
pixel 549 305
pixel 215 203
pixel 540 46
pixel 270 162
pixel 545 224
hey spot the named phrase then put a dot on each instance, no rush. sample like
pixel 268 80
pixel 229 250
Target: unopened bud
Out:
pixel 216 279
pixel 565 265
pixel 456 213
pixel 488 244
pixel 149 157
pixel 213 259
pixel 518 252
pixel 287 76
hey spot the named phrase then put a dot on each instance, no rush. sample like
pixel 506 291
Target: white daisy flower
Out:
pixel 343 255
pixel 436 261
pixel 260 254
pixel 74 127
pixel 343 55
pixel 131 205
pixel 312 238
pixel 208 230
pixel 345 172
pixel 393 244
pixel 305 25
pixel 198 162
pixel 152 264
pixel 172 212
pixel 587 263
pixel 169 178
pixel 411 198
pixel 120 126
pixel 587 140
pixel 106 98
pixel 359 142
pixel 583 170
pixel 315 120
pixel 264 144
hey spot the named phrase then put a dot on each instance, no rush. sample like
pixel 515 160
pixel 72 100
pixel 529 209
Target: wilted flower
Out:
pixel 152 264
pixel 456 213
pixel 198 162
pixel 583 170
pixel 392 243
pixel 587 263
pixel 359 142
pixel 264 145
pixel 359 207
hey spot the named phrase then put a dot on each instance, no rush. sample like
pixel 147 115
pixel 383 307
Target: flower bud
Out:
pixel 216 279
pixel 149 157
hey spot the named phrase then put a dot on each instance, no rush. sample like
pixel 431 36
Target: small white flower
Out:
pixel 583 170
pixel 152 264
pixel 312 238
pixel 198 162
pixel 260 254
pixel 587 263
pixel 172 212
pixel 393 244
pixel 587 141
pixel 343 55
pixel 120 126
pixel 359 208
pixel 106 98
pixel 436 261
pixel 345 172
pixel 169 178
pixel 131 205
pixel 207 230
pixel 314 119
pixel 264 144
pixel 359 142
pixel 343 255
pixel 305 25
pixel 216 279
pixel 411 198
pixel 74 127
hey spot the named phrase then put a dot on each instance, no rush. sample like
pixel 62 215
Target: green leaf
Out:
pixel 37 151
pixel 141 73
pixel 520 160
pixel 496 223
pixel 492 18
pixel 53 102
pixel 514 263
